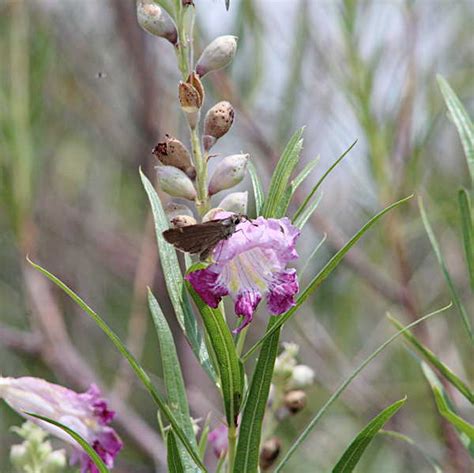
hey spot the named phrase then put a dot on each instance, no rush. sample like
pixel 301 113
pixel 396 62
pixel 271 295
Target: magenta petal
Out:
pixel 245 305
pixel 204 282
pixel 218 440
pixel 282 291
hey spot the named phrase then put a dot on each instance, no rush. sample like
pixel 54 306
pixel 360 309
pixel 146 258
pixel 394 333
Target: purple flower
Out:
pixel 218 440
pixel 249 265
pixel 86 413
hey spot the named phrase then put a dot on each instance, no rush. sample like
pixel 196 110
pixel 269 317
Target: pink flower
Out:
pixel 249 265
pixel 218 440
pixel 86 413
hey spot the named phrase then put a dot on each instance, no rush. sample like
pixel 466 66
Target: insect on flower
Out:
pixel 202 238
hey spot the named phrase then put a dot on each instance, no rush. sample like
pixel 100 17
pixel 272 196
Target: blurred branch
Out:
pixel 28 343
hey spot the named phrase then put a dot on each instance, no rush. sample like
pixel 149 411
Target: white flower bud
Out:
pixel 174 182
pixel 217 54
pixel 171 152
pixel 173 209
pixel 235 202
pixel 302 376
pixel 228 173
pixel 19 456
pixel 156 20
pixel 217 123
pixel 55 462
pixel 211 215
pixel 183 221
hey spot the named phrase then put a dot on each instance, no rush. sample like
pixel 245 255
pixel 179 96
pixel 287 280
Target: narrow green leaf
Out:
pixel 443 406
pixel 86 447
pixel 257 188
pixel 250 432
pixel 439 256
pixel 318 184
pixel 311 256
pixel 293 186
pixel 281 176
pixel 435 361
pixel 356 449
pixel 203 439
pixel 173 378
pixel 346 383
pixel 174 282
pixel 461 120
pixel 467 231
pixel 135 365
pixel 410 441
pixel 304 216
pixel 322 275
pixel 230 367
pixel 173 457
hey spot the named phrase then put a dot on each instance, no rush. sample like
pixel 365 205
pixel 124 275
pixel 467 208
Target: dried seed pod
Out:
pixel 173 209
pixel 228 173
pixel 191 94
pixel 211 215
pixel 174 182
pixel 156 21
pixel 235 202
pixel 183 221
pixel 171 152
pixel 217 54
pixel 269 452
pixel 295 401
pixel 217 123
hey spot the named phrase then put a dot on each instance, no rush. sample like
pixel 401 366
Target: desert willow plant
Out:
pixel 248 262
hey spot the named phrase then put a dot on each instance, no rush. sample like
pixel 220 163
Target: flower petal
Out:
pixel 282 290
pixel 205 283
pixel 245 304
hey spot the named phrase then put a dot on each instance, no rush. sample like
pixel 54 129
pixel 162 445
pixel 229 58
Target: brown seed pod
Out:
pixel 171 152
pixel 217 123
pixel 269 452
pixel 183 221
pixel 295 401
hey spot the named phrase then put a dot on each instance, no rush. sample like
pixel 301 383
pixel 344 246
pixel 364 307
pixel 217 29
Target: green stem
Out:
pixel 241 341
pixel 232 438
pixel 200 161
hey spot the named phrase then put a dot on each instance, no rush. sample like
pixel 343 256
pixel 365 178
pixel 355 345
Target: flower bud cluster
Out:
pixel 36 452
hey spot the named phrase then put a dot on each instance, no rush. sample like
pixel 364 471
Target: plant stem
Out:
pixel 232 437
pixel 200 161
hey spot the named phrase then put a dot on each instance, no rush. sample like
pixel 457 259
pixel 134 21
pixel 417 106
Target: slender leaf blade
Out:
pixel 344 385
pixel 174 282
pixel 461 120
pixel 174 460
pixel 439 256
pixel 304 216
pixel 354 452
pixel 281 176
pixel 173 378
pixel 135 365
pixel 457 382
pixel 258 193
pixel 467 231
pixel 230 367
pixel 322 275
pixel 94 456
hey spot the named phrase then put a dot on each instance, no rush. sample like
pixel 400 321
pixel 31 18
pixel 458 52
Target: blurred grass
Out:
pixel 71 141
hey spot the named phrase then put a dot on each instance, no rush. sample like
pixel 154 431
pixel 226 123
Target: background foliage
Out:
pixel 85 95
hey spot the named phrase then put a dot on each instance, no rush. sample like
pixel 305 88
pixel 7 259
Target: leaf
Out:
pixel 85 445
pixel 174 282
pixel 204 436
pixel 318 184
pixel 135 365
pixel 230 367
pixel 294 184
pixel 311 256
pixel 467 231
pixel 435 361
pixel 281 176
pixel 356 449
pixel 439 256
pixel 257 188
pixel 173 379
pixel 303 218
pixel 321 276
pixel 344 385
pixel 442 403
pixel 461 120
pixel 173 457
pixel 248 446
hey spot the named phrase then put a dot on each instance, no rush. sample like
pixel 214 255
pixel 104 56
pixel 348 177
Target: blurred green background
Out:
pixel 85 95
